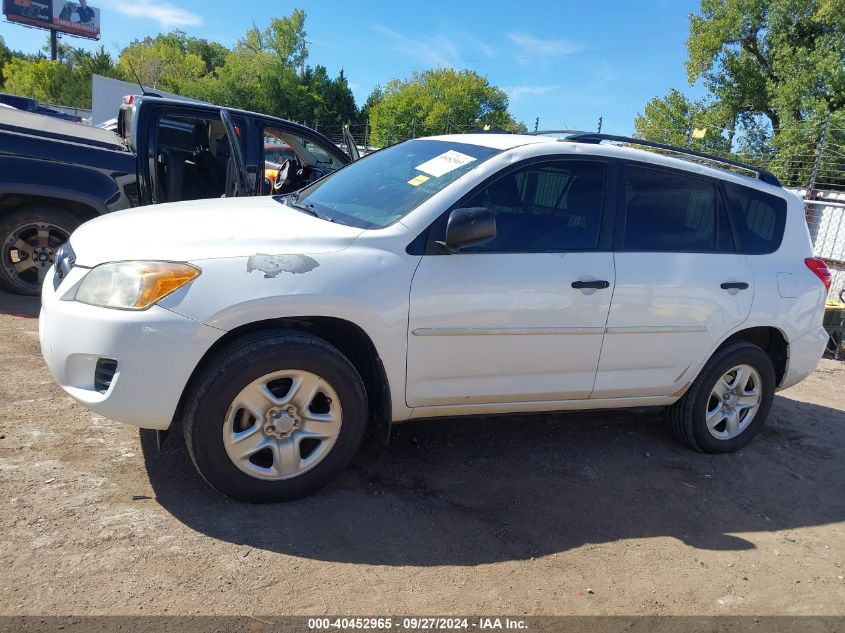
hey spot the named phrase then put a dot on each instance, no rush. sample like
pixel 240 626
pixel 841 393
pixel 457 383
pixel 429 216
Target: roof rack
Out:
pixel 577 136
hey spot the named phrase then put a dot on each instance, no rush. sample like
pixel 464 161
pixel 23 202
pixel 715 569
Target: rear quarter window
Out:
pixel 759 218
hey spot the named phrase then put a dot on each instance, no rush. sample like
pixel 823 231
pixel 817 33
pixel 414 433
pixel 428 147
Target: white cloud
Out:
pixel 164 13
pixel 435 51
pixel 516 93
pixel 534 47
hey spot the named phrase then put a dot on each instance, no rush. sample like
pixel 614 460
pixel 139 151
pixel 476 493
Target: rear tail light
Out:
pixel 819 267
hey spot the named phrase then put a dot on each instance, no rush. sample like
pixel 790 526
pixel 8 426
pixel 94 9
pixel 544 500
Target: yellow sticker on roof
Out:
pixel 446 162
pixel 418 180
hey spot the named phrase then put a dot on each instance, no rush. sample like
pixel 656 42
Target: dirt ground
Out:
pixel 581 513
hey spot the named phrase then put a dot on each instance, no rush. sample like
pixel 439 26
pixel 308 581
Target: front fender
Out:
pixel 100 189
pixel 363 287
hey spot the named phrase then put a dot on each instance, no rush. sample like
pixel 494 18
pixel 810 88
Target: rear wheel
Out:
pixel 277 416
pixel 729 401
pixel 30 239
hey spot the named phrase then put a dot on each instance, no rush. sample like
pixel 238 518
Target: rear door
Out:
pixel 680 284
pixel 521 318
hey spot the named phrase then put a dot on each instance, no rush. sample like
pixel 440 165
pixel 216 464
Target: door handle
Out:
pixel 583 285
pixel 734 285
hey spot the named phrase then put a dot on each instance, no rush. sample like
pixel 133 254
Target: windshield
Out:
pixel 381 188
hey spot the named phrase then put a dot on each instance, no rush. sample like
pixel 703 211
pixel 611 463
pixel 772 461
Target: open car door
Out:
pixel 349 143
pixel 238 180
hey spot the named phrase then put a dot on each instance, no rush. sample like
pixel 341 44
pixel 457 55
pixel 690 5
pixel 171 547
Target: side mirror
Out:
pixel 469 227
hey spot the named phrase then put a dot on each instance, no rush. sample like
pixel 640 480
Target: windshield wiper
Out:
pixel 292 200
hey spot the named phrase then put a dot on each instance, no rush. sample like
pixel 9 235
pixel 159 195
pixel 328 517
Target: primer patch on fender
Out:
pixel 272 265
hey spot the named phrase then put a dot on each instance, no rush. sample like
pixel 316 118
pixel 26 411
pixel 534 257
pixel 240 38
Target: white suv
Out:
pixel 454 275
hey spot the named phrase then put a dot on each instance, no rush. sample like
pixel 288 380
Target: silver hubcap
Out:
pixel 282 424
pixel 733 402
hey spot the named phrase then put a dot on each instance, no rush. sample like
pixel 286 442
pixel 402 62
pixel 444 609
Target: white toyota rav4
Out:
pixel 454 275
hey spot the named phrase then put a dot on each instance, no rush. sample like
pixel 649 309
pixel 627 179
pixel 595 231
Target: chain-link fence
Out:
pixel 825 214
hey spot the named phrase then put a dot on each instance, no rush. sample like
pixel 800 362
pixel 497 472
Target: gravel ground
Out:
pixel 579 513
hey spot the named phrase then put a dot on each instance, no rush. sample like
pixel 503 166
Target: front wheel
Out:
pixel 729 401
pixel 30 239
pixel 275 416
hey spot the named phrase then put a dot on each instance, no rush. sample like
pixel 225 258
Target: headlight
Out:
pixel 133 285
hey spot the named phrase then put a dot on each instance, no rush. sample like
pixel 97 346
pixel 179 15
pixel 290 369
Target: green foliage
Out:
pixel 161 63
pixel 774 70
pixel 5 57
pixel 372 101
pixel 672 120
pixel 782 58
pixel 66 81
pixel 436 102
pixel 265 71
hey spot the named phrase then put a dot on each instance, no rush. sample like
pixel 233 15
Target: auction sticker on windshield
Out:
pixel 416 181
pixel 444 163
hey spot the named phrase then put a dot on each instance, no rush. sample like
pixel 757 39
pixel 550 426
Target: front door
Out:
pixel 521 318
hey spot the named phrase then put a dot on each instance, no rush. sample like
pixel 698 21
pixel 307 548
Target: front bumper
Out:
pixel 156 351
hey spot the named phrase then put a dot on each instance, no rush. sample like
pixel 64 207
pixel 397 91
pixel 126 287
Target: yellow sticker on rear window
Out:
pixel 418 180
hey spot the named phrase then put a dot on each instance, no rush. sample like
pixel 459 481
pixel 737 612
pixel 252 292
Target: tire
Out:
pixel 26 235
pixel 221 408
pixel 688 417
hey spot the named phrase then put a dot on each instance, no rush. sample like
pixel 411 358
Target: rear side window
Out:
pixel 667 211
pixel 758 217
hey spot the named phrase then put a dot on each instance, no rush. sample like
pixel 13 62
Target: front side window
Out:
pixel 668 211
pixel 545 207
pixel 379 189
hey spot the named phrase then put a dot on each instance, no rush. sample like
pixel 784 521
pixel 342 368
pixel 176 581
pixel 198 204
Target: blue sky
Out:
pixel 565 62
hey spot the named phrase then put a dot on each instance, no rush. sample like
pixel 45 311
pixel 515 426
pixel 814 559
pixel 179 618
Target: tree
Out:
pixel 66 81
pixel 372 101
pixel 779 59
pixel 213 54
pixel 160 63
pixel 436 102
pixel 37 79
pixel 673 119
pixel 266 72
pixel 6 55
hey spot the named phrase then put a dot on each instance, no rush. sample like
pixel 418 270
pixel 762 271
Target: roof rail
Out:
pixel 576 136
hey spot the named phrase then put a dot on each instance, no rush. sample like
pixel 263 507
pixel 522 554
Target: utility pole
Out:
pixel 811 186
pixel 536 124
pixel 601 118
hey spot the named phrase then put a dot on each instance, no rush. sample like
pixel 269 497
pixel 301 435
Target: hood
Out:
pixel 205 229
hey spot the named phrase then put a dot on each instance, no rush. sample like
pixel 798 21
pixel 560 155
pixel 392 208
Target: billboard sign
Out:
pixel 74 17
pixel 30 12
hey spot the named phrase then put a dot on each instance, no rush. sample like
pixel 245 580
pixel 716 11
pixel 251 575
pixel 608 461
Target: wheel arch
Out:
pixel 82 206
pixel 352 341
pixel 770 339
